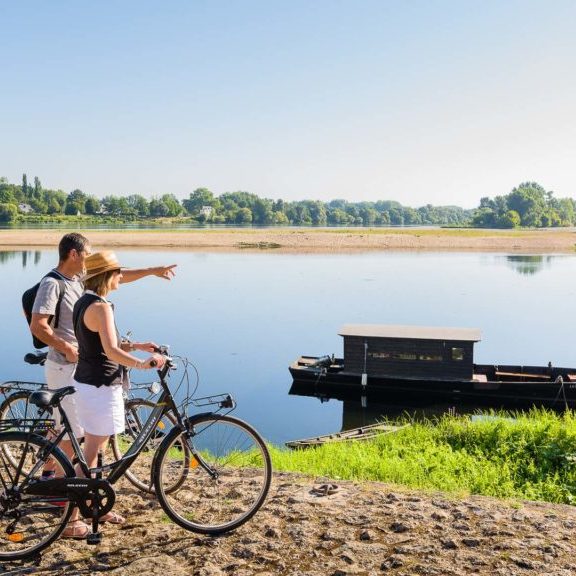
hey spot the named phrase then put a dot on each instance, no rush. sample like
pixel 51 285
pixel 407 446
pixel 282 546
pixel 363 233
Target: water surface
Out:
pixel 243 318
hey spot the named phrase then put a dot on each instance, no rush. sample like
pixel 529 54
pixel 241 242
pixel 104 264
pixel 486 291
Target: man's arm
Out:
pixel 40 327
pixel 165 272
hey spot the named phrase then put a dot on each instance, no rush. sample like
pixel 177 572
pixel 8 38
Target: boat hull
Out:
pixel 494 386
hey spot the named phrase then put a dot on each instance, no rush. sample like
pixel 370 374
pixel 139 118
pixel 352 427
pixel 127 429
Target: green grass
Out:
pixel 532 456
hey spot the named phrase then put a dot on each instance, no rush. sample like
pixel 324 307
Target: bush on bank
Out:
pixel 530 455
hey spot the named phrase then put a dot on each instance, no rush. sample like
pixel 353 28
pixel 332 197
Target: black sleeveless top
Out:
pixel 94 367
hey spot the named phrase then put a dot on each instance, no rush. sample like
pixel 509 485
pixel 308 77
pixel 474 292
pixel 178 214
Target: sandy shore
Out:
pixel 309 240
pixel 360 530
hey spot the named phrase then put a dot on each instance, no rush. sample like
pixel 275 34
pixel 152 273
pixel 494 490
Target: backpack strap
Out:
pixel 62 290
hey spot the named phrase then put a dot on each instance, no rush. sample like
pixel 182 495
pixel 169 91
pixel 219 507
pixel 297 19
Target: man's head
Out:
pixel 72 241
pixel 72 251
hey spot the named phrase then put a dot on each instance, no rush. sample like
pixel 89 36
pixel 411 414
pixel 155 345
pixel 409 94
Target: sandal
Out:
pixel 76 529
pixel 112 518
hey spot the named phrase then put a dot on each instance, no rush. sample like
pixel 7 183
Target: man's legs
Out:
pixel 59 376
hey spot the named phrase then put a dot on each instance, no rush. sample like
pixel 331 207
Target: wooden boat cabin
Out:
pixel 409 351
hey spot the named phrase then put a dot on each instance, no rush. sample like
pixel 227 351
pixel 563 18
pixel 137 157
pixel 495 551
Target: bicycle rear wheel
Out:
pixel 16 407
pixel 136 413
pixel 223 478
pixel 28 523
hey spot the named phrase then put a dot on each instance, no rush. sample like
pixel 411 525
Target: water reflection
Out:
pixel 529 264
pixel 27 256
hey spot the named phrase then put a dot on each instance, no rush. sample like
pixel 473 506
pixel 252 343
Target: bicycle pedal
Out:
pixel 94 538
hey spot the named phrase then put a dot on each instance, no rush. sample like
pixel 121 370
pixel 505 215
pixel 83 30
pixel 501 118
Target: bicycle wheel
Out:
pixel 17 407
pixel 223 478
pixel 136 413
pixel 28 523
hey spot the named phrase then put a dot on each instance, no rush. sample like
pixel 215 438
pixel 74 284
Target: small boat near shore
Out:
pixel 384 363
pixel 361 433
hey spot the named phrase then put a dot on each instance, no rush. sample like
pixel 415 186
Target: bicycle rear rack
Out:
pixel 27 425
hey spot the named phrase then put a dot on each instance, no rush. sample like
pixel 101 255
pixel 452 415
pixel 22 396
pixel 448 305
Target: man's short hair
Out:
pixel 72 241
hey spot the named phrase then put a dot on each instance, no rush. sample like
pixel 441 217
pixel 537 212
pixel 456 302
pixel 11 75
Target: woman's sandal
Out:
pixel 112 518
pixel 76 529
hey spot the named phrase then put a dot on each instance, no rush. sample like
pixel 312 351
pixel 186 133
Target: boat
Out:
pixel 387 364
pixel 361 433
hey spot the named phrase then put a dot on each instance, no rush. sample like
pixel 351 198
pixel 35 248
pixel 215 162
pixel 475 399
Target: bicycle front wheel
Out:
pixel 224 475
pixel 28 523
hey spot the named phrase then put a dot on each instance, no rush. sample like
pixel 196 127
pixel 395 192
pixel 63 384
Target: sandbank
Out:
pixel 302 240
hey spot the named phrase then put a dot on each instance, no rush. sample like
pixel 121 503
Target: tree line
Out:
pixel 527 205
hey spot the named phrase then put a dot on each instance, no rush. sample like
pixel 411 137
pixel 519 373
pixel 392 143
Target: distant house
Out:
pixel 206 211
pixel 25 208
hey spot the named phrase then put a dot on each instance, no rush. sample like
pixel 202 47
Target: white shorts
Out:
pixel 60 376
pixel 100 410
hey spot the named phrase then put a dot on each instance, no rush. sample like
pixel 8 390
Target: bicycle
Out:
pixel 16 407
pixel 211 472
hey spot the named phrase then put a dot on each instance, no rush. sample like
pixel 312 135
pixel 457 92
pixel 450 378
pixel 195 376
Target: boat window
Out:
pixel 458 354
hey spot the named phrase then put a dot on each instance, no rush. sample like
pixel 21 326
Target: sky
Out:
pixel 418 101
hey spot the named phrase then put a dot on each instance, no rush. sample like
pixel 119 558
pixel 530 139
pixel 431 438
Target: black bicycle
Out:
pixel 211 472
pixel 139 403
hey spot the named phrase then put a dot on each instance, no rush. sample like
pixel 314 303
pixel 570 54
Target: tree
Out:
pixel 37 188
pixel 244 216
pixel 200 198
pixel 75 203
pixel 24 186
pixel 8 212
pixel 172 204
pixel 92 205
pixel 157 208
pixel 139 204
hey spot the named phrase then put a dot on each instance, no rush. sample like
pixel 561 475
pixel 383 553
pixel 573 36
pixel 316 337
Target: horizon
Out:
pixel 421 103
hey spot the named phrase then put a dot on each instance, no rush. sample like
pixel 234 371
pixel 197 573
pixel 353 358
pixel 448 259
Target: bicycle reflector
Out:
pixel 16 537
pixel 193 462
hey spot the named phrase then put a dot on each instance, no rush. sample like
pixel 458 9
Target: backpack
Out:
pixel 28 303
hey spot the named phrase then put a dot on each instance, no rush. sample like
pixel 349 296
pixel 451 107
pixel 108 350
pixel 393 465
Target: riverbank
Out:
pixel 309 240
pixel 360 529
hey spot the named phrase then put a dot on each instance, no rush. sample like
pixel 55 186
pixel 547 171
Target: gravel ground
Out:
pixel 359 529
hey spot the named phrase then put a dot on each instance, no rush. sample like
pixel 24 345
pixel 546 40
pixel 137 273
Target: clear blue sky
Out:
pixel 411 100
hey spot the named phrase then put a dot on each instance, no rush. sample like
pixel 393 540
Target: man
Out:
pixel 63 350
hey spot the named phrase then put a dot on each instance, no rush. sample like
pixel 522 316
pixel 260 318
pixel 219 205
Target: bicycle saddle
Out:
pixel 46 398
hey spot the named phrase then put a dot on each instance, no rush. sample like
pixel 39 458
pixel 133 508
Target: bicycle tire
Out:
pixel 136 412
pixel 28 524
pixel 16 407
pixel 241 466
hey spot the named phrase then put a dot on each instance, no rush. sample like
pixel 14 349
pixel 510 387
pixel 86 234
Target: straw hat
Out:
pixel 100 262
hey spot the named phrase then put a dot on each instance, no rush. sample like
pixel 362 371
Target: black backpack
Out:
pixel 28 303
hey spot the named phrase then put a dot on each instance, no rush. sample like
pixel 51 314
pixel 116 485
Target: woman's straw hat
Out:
pixel 100 262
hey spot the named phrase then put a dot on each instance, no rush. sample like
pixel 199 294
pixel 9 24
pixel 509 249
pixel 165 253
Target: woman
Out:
pixel 99 373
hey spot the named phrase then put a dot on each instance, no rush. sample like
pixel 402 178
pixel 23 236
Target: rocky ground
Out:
pixel 358 529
